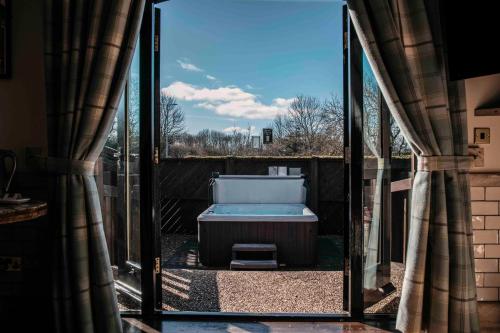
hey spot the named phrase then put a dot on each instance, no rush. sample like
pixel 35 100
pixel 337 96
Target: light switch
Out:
pixel 481 135
pixel 10 264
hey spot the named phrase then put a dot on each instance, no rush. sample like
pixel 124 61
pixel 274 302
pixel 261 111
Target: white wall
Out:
pixel 22 98
pixel 479 92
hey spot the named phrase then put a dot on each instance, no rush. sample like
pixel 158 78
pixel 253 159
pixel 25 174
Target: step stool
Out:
pixel 256 263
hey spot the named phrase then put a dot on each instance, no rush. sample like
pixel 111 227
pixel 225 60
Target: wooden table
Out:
pixel 23 212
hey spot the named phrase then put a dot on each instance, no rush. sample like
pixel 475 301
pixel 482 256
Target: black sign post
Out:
pixel 267 136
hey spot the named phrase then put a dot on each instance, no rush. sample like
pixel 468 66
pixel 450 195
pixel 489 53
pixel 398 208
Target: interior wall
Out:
pixel 22 102
pixel 485 190
pixel 481 91
pixel 25 293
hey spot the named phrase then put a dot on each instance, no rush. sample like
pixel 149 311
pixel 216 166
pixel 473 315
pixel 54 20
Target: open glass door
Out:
pixel 118 178
pixel 376 261
pixel 376 192
pixel 386 199
pixel 370 181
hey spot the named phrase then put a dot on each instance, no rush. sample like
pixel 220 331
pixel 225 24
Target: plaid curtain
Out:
pixel 372 244
pixel 403 43
pixel 88 50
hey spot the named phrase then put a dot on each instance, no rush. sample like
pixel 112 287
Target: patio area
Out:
pixel 189 286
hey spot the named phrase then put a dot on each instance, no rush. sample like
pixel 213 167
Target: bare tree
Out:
pixel 301 130
pixel 132 114
pixel 399 144
pixel 333 114
pixel 306 117
pixel 171 120
pixel 371 115
pixel 278 126
pixel 371 104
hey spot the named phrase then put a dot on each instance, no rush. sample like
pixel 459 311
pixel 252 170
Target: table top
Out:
pixel 22 212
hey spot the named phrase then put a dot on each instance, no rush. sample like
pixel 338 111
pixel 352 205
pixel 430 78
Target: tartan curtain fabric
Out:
pixel 372 246
pixel 372 243
pixel 402 41
pixel 88 49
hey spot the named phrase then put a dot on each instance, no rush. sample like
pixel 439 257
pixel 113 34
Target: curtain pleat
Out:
pixel 402 42
pixel 88 51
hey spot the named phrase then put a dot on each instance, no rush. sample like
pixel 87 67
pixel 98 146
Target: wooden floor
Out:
pixel 489 315
pixel 135 326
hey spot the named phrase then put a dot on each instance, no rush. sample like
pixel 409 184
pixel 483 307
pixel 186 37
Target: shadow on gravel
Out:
pixel 185 291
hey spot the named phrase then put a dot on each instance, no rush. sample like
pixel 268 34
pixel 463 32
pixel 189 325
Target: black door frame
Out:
pixel 356 168
pixel 353 134
pixel 347 154
pixel 156 160
pixel 147 140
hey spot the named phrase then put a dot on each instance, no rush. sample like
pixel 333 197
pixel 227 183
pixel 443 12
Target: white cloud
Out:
pixel 238 129
pixel 185 64
pixel 210 77
pixel 188 92
pixel 283 102
pixel 247 108
pixel 249 86
pixel 228 101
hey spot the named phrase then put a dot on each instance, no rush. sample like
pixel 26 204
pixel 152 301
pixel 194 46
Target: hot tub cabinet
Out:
pixel 276 216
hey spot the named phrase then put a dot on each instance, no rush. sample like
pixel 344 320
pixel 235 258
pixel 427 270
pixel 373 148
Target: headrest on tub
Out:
pixel 259 189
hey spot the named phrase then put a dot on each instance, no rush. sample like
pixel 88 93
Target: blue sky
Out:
pixel 238 63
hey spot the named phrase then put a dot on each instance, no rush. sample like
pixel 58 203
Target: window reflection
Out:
pixel 383 250
pixel 118 184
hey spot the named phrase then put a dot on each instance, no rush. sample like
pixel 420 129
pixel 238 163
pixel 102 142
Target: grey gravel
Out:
pixel 252 291
pixel 390 303
pixel 306 291
pixel 264 291
pixel 126 303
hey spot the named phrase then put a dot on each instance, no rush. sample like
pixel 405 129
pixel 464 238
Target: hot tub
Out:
pixel 276 214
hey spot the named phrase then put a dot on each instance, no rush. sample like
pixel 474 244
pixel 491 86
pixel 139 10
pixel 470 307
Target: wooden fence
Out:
pixel 184 195
pixel 184 186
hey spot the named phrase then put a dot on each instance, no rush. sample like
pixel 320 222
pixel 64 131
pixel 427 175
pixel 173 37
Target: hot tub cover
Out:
pixel 259 190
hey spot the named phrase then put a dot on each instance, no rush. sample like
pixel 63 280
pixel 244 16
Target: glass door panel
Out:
pixel 379 176
pixel 376 263
pixel 118 184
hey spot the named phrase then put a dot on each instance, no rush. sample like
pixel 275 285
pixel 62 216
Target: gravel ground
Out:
pixel 252 291
pixel 263 291
pixel 126 303
pixel 309 291
pixel 390 303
